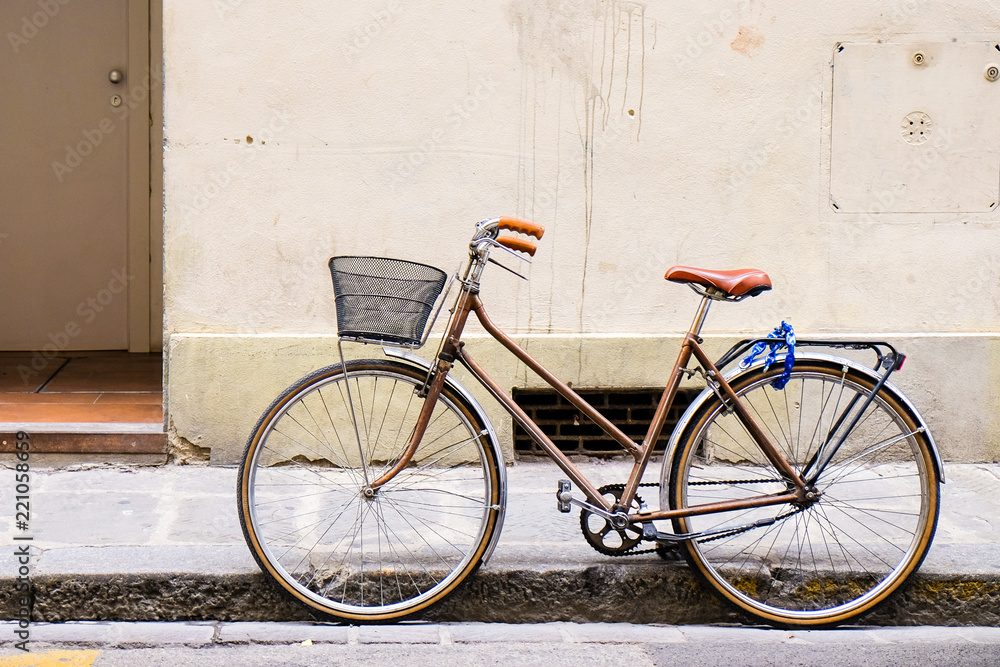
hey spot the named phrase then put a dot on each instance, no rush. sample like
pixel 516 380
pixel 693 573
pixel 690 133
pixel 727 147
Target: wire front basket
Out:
pixel 384 300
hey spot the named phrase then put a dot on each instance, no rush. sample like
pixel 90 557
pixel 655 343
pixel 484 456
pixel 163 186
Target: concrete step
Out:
pixel 86 437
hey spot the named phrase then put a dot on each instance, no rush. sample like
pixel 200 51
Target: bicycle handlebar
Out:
pixel 520 245
pixel 521 227
pixel 488 234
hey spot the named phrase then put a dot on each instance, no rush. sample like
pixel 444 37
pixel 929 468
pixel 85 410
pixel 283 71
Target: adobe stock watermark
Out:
pixel 788 123
pixel 707 32
pixel 94 137
pixel 545 195
pixel 901 11
pixel 217 181
pixel 452 119
pixel 21 484
pixel 224 7
pixel 87 310
pixel 365 34
pixel 885 199
pixel 32 24
pixel 75 154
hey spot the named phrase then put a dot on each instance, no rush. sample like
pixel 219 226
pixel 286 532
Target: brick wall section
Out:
pixel 631 410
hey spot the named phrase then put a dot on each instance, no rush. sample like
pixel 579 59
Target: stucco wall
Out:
pixel 642 136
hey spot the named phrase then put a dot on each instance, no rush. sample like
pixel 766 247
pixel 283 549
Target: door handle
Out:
pixel 116 76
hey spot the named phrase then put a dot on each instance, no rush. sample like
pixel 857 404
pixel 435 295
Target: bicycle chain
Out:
pixel 737 531
pixel 735 481
pixel 633 551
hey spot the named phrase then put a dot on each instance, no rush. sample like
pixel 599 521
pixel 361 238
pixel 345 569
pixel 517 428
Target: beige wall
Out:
pixel 642 136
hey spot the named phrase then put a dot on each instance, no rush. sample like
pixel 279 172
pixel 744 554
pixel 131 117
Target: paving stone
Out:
pixel 470 633
pixel 981 635
pixel 962 559
pixel 702 633
pixel 622 633
pixel 101 480
pixel 195 480
pixel 399 634
pixel 193 521
pixel 935 634
pixel 281 633
pixel 851 635
pixel 69 518
pixel 202 560
pixel 110 634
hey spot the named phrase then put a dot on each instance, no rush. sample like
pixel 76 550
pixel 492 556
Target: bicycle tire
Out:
pixel 819 564
pixel 302 502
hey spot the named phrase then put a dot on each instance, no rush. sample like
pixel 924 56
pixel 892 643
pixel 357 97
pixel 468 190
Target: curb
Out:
pixel 667 593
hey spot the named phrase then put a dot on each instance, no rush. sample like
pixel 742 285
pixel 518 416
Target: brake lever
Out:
pixel 507 268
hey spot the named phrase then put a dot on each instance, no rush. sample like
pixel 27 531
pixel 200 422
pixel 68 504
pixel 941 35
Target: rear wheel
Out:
pixel 821 562
pixel 325 536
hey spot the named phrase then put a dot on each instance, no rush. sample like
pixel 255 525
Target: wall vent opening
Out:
pixel 631 410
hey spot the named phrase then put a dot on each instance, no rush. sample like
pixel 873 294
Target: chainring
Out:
pixel 604 537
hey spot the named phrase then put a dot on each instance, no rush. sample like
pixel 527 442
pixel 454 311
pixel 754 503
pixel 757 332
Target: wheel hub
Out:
pixel 810 497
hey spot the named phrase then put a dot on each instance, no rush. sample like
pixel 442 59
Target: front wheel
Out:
pixel 828 560
pixel 316 526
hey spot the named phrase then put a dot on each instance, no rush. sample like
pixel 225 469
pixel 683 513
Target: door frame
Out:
pixel 144 94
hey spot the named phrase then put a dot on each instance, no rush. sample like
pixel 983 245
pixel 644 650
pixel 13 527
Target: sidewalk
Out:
pixel 164 544
pixel 209 644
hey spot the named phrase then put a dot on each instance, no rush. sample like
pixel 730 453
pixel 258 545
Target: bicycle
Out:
pixel 804 489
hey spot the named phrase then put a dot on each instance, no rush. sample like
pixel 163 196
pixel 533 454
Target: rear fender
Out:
pixel 736 373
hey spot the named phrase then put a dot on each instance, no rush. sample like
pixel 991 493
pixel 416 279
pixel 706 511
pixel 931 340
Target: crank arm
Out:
pixel 583 504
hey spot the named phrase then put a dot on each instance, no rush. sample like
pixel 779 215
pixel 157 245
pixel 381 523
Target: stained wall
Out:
pixel 724 134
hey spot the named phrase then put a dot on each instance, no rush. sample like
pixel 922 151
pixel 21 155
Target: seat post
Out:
pixel 699 317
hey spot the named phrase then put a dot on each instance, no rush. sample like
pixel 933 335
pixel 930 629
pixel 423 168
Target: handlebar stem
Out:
pixel 479 252
pixel 488 234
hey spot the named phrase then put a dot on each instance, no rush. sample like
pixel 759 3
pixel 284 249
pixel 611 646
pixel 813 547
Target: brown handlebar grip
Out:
pixel 521 226
pixel 515 243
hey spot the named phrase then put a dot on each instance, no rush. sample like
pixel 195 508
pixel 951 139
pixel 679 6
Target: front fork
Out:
pixel 432 391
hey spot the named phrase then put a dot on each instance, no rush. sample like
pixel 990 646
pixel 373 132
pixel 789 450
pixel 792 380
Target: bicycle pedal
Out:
pixel 564 496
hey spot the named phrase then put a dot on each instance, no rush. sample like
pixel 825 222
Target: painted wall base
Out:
pixel 217 385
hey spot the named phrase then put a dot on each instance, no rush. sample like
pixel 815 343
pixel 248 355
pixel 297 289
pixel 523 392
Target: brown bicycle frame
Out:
pixel 453 348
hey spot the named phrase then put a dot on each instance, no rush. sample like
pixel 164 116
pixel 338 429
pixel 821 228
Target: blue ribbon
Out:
pixel 784 337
